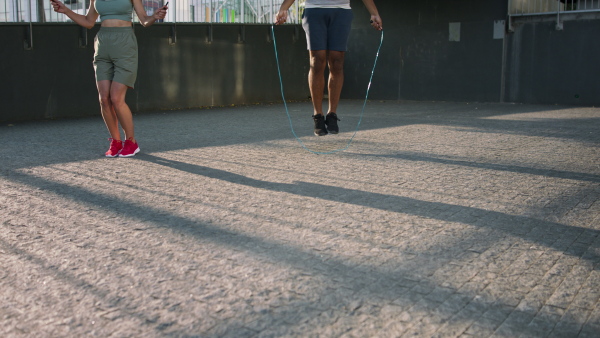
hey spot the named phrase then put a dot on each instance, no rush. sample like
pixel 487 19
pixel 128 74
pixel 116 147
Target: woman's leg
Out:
pixel 107 109
pixel 123 113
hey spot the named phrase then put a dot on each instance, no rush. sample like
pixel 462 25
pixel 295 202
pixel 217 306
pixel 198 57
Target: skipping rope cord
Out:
pixel 288 112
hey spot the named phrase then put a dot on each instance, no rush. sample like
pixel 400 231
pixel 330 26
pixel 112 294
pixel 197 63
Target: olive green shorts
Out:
pixel 116 56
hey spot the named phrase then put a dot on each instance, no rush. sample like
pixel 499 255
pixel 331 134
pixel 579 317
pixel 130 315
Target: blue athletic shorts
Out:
pixel 327 28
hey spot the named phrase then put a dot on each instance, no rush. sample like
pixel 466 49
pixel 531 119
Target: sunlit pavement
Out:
pixel 440 219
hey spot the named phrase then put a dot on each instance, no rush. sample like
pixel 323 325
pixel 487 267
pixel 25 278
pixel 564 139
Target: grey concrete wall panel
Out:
pixel 557 67
pixel 56 78
pixel 418 62
pixel 235 64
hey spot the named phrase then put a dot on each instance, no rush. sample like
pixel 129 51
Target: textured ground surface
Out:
pixel 442 219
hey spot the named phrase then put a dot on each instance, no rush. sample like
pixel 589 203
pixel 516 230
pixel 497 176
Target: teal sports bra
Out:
pixel 114 9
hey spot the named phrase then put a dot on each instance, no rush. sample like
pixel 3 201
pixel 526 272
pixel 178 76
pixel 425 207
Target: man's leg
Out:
pixel 316 83
pixel 316 79
pixel 336 78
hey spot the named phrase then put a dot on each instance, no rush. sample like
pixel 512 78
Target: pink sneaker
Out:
pixel 115 148
pixel 129 149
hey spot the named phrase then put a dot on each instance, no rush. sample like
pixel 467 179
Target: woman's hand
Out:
pixel 160 13
pixel 58 6
pixel 281 17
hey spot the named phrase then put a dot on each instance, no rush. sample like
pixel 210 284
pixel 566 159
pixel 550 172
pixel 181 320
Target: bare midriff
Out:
pixel 115 23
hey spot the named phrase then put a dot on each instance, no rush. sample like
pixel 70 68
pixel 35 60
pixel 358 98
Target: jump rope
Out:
pixel 288 112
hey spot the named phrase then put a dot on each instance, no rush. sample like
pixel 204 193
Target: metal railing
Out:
pixel 541 7
pixel 207 11
pixel 519 10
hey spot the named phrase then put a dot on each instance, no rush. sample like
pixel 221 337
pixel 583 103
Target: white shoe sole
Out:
pixel 135 152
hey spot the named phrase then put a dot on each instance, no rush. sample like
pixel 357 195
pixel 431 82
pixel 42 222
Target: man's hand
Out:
pixel 376 22
pixel 281 17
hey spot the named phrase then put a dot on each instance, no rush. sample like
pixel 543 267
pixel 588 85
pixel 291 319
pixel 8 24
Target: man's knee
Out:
pixel 336 62
pixel 318 60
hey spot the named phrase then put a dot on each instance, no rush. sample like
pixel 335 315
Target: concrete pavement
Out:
pixel 441 219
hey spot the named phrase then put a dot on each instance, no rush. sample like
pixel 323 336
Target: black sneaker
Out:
pixel 331 122
pixel 320 129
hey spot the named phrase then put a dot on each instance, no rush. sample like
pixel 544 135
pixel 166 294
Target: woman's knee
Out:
pixel 117 100
pixel 118 92
pixel 104 98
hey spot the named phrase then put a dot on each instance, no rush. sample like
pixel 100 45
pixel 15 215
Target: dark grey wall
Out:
pixel 56 78
pixel 549 66
pixel 535 64
pixel 418 62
